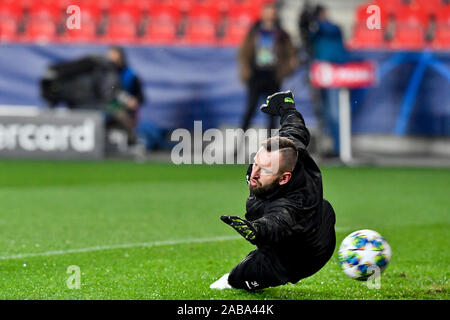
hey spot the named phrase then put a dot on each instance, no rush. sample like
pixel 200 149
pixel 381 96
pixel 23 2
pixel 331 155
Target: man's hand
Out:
pixel 244 227
pixel 132 103
pixel 279 103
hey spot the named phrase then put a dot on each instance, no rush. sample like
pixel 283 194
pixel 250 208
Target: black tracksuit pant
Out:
pixel 262 84
pixel 262 267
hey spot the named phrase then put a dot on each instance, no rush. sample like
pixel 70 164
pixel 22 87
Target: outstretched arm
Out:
pixel 292 123
pixel 279 223
pixel 245 228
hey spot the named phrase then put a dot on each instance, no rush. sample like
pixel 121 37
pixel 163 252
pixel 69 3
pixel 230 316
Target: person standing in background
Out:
pixel 266 57
pixel 327 45
pixel 304 22
pixel 123 110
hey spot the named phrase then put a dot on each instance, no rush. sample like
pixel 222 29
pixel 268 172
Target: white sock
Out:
pixel 222 283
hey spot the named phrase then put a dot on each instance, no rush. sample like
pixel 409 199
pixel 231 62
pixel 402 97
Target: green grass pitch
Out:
pixel 152 231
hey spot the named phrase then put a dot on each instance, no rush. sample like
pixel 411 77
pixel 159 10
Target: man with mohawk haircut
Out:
pixel 286 216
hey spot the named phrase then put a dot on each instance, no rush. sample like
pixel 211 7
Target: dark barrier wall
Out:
pixel 186 84
pixel 412 96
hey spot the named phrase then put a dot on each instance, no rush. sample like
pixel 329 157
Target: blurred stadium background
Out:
pixel 184 52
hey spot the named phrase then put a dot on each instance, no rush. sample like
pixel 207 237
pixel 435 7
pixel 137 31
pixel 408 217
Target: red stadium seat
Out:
pixel 212 3
pixel 63 4
pixel 10 10
pixel 429 6
pixel 442 37
pixel 91 15
pixel 125 9
pixel 8 30
pixel 25 4
pixel 366 38
pixel 10 16
pixel 202 23
pixel 123 21
pixel 222 6
pixel 409 37
pixel 362 15
pixel 235 34
pixel 205 10
pixel 90 10
pixel 241 17
pixel 412 15
pixel 238 24
pixel 201 33
pixel 40 30
pixel 251 3
pixel 46 10
pixel 390 6
pixel 410 27
pixel 183 5
pixel 162 26
pixel 161 8
pixel 121 32
pixel 443 15
pixel 86 34
pixel 142 5
pixel 160 34
pixel 161 3
pixel 103 5
pixel 244 12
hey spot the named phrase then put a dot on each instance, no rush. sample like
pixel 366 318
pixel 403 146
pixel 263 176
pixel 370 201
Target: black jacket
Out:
pixel 295 224
pixel 286 61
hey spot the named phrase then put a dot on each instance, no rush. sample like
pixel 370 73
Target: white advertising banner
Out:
pixel 30 132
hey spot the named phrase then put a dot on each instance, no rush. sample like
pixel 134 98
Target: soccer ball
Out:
pixel 363 253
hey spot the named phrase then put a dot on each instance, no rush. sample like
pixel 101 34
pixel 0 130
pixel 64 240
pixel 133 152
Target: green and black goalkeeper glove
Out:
pixel 279 103
pixel 243 227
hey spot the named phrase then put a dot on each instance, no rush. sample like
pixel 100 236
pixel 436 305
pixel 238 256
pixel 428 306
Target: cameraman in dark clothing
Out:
pixel 287 218
pixel 266 57
pixel 123 110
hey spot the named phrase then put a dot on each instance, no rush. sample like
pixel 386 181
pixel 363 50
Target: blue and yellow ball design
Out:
pixel 363 253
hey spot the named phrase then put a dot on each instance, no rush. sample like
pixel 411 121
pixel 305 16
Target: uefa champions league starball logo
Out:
pixel 364 255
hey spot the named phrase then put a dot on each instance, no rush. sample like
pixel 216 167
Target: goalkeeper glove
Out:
pixel 243 227
pixel 279 103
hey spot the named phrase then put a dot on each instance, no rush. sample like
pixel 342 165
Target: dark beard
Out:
pixel 264 191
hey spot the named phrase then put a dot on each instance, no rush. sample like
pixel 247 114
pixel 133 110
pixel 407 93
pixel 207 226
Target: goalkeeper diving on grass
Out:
pixel 287 218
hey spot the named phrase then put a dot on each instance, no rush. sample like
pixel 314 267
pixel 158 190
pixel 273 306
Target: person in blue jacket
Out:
pixel 327 45
pixel 124 109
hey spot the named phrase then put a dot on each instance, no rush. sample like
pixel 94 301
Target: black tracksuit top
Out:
pixel 295 224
